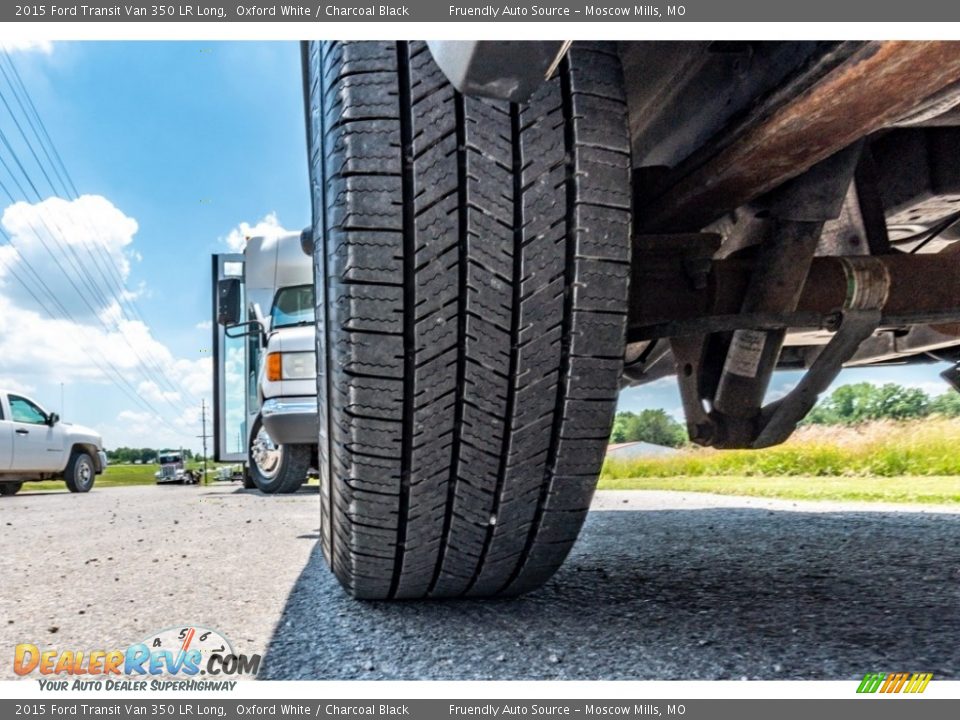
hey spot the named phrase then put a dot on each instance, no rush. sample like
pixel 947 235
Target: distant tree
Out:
pixel 899 403
pixel 947 404
pixel 123 455
pixel 652 426
pixel 865 401
pixel 620 426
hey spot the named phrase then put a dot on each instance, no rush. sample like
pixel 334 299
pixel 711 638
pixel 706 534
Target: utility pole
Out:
pixel 204 436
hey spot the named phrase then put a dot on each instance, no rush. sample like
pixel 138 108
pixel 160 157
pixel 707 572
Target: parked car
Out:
pixel 36 445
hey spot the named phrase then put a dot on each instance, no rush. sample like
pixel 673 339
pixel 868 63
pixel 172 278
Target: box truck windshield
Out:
pixel 292 306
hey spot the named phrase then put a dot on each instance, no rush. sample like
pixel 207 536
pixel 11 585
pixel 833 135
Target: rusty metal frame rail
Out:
pixel 879 83
pixel 925 290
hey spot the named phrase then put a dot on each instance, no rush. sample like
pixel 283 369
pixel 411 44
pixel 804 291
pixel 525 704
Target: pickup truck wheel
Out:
pixel 472 263
pixel 80 472
pixel 10 488
pixel 276 468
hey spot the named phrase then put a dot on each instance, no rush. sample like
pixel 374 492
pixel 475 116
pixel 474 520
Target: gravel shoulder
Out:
pixel 661 585
pixel 105 569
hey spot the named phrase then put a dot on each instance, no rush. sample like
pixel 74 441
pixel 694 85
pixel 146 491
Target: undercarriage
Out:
pixel 796 206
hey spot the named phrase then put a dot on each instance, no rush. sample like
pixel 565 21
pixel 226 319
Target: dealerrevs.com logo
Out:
pixel 172 659
pixel 888 683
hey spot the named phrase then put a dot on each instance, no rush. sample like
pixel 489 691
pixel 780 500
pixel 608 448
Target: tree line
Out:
pixel 847 405
pixel 144 455
pixel 860 402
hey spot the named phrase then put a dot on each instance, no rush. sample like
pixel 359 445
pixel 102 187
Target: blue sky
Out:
pixel 179 147
pixel 192 141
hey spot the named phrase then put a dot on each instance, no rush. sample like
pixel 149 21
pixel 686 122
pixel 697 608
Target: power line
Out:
pixel 66 274
pixel 107 367
pixel 150 368
pixel 125 386
pixel 204 436
pixel 107 269
pixel 76 265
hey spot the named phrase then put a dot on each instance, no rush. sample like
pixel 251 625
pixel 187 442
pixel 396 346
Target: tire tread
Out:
pixel 475 270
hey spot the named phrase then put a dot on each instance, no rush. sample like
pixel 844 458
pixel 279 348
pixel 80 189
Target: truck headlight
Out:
pixel 291 366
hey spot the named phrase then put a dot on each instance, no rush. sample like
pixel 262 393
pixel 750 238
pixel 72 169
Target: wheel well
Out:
pixel 91 450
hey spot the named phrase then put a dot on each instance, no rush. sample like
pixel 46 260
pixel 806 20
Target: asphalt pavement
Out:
pixel 660 586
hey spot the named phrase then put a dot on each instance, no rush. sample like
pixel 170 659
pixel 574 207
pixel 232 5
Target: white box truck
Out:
pixel 265 393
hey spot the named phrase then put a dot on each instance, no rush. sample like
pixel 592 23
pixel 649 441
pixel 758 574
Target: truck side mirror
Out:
pixel 228 301
pixel 52 419
pixel 306 241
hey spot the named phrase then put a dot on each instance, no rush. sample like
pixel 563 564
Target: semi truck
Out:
pixel 173 469
pixel 265 399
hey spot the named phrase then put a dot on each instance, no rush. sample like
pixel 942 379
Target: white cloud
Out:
pixel 236 239
pixel 14 385
pixel 36 348
pixel 139 428
pixel 204 325
pixel 62 241
pixel 778 393
pixel 153 393
pixel 930 387
pixel 22 44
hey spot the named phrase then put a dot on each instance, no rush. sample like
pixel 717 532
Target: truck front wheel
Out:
pixel 10 488
pixel 80 472
pixel 472 260
pixel 276 468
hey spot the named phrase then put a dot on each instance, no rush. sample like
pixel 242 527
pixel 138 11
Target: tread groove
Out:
pixel 463 209
pixel 511 399
pixel 569 143
pixel 409 299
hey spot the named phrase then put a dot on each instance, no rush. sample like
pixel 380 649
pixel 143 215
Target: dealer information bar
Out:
pixel 515 11
pixel 326 709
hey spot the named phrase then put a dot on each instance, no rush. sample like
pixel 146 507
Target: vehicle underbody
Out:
pixel 501 246
pixel 796 206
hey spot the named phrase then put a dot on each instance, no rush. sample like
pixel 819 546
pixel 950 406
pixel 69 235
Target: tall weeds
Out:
pixel 882 448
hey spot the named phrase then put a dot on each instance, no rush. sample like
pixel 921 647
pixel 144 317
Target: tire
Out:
pixel 10 488
pixel 472 263
pixel 276 468
pixel 248 483
pixel 80 473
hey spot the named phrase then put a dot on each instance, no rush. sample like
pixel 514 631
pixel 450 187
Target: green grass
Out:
pixel 934 490
pixel 915 462
pixel 115 476
pixel 907 462
pixel 886 449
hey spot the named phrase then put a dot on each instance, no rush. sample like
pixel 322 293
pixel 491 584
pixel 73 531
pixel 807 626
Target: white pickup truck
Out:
pixel 35 445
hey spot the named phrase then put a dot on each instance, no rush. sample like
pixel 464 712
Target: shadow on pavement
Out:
pixel 302 490
pixel 665 594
